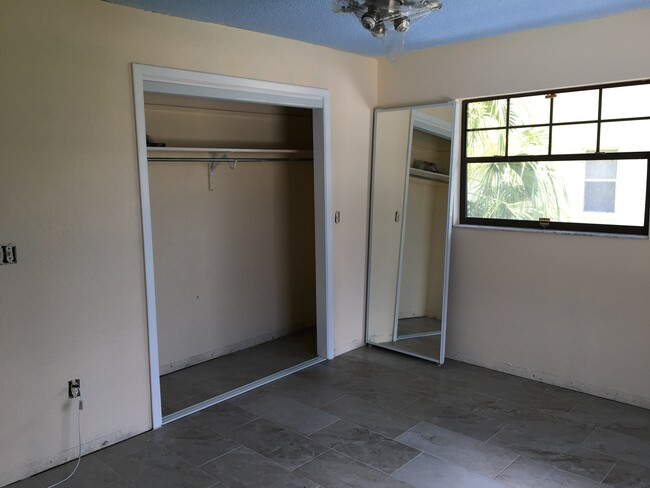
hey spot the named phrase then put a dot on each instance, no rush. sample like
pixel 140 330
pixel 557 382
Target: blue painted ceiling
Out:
pixel 314 21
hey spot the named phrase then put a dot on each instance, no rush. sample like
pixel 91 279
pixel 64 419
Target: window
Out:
pixel 565 160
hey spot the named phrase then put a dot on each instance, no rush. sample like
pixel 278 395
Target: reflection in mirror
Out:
pixel 407 285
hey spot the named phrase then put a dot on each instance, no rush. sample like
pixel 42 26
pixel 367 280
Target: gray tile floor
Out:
pixel 374 418
pixel 189 386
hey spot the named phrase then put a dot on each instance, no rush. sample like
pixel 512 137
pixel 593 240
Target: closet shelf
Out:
pixel 227 155
pixel 229 150
pixel 429 175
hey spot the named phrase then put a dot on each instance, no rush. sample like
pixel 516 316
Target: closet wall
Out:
pixel 234 266
pixel 422 279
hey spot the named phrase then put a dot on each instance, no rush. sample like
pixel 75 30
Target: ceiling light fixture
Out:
pixel 388 20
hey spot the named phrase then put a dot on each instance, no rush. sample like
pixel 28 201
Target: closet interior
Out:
pixel 232 214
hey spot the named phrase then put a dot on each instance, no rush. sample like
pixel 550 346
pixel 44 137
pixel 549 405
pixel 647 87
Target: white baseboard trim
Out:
pixel 555 380
pixel 238 346
pixel 63 457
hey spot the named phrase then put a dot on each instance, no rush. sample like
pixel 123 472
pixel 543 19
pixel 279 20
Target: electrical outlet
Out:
pixel 74 388
pixel 8 254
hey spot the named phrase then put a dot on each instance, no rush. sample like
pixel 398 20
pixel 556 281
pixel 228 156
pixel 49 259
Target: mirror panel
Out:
pixel 392 142
pixel 409 259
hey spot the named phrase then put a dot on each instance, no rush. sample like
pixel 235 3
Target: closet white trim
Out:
pixel 192 83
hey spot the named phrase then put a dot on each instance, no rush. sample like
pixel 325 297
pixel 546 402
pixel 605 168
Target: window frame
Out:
pixel 552 226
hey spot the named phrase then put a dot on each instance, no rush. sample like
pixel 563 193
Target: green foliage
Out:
pixel 522 191
pixel 514 190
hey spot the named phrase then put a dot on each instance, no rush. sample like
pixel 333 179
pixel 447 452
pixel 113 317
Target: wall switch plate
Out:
pixel 8 254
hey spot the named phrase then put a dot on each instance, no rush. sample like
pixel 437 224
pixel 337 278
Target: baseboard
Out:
pixel 379 339
pixel 555 380
pixel 350 346
pixel 63 457
pixel 238 346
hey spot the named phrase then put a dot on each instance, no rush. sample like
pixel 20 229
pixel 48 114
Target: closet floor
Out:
pixel 375 419
pixel 189 386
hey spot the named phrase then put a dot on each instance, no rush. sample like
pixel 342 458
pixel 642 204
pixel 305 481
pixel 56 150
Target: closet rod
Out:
pixel 227 160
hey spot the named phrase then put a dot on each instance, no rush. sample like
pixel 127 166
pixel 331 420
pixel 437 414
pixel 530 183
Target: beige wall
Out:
pixel 74 306
pixel 570 310
pixel 234 266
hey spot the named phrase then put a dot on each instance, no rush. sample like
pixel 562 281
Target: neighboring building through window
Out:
pixel 546 160
pixel 600 186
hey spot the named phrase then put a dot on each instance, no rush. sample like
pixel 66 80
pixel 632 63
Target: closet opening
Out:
pixel 237 191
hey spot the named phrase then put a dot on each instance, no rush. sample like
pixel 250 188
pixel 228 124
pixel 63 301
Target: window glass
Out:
pixel 600 170
pixel 600 186
pixel 482 143
pixel 574 139
pixel 626 102
pixel 530 110
pixel 575 106
pixel 515 191
pixel 487 113
pixel 528 141
pixel 557 190
pixel 629 136
pixel 600 196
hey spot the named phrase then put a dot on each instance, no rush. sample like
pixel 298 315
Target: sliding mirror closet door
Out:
pixel 392 141
pixel 409 254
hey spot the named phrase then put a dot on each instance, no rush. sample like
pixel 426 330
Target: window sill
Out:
pixel 542 231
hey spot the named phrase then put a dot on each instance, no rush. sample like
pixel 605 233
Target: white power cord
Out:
pixel 81 407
